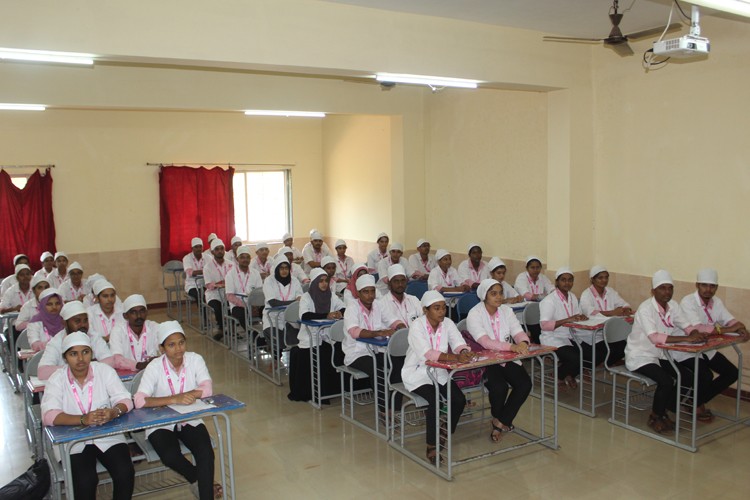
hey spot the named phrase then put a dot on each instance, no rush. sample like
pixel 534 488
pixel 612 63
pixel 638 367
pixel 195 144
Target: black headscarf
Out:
pixel 321 299
pixel 277 275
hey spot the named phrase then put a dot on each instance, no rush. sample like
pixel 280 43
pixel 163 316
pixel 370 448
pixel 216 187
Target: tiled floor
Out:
pixel 288 450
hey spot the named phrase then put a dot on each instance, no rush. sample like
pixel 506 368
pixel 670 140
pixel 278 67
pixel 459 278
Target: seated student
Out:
pixel 496 270
pixel 88 288
pixel 231 255
pixel 89 393
pixel 73 288
pixel 660 320
pixel 11 280
pixel 421 263
pixel 75 319
pixel 533 284
pixel 472 269
pixel 193 264
pixel 60 273
pixel 494 326
pixel 318 303
pixel 711 316
pixel 328 264
pixel 240 281
pixel 208 254
pixel 380 253
pixel 288 241
pixel 398 304
pixel 297 271
pixel 47 322
pixel 430 336
pixel 350 292
pixel 280 289
pixel 214 273
pixel 133 344
pixel 19 293
pixel 555 310
pixel 395 256
pixel 601 299
pixel 48 264
pixel 106 314
pixel 313 252
pixel 261 262
pixel 179 377
pixel 344 266
pixel 444 277
pixel 29 309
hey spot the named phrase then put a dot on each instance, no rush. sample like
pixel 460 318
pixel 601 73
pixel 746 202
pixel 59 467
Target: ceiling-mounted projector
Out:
pixel 690 45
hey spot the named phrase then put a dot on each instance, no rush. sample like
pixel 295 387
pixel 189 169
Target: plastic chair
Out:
pixel 291 331
pixel 169 273
pixel 22 342
pixel 397 347
pixel 136 382
pixel 336 334
pixel 531 319
pixel 461 325
pixel 465 303
pixel 417 288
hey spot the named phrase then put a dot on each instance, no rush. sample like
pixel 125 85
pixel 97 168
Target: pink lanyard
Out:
pixel 243 285
pixel 706 307
pixel 46 332
pixel 73 388
pixel 434 335
pixel 597 297
pixel 24 297
pixel 107 331
pixel 344 267
pixel 533 285
pixel 496 323
pixel 198 264
pixel 474 273
pixel 133 341
pixel 263 268
pixel 365 316
pixel 281 291
pixel 403 310
pixel 317 256
pixel 565 302
pixel 666 319
pixel 74 291
pixel 445 278
pixel 222 269
pixel 169 376
pixel 425 264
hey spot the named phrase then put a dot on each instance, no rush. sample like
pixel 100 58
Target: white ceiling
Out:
pixel 581 18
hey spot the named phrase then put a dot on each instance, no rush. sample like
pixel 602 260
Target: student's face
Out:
pixel 218 252
pixel 663 293
pixel 39 288
pixel 289 256
pixel 284 270
pixel 243 260
pixel 424 249
pixel 498 273
pixel 396 255
pixel 341 251
pixel 601 280
pixel 383 243
pixel 174 347
pixel 107 299
pixel 367 295
pixel 534 268
pixel 323 283
pixel 24 278
pixel 564 282
pixel 22 260
pixel 235 246
pixel 436 312
pixel 475 254
pixel 53 306
pixel 48 263
pixel 61 263
pixel 397 284
pixel 262 254
pixel 78 358
pixel 136 317
pixel 78 323
pixel 494 296
pixel 330 269
pixel 289 242
pixel 317 244
pixel 197 251
pixel 75 277
pixel 445 263
pixel 706 290
pixel 361 272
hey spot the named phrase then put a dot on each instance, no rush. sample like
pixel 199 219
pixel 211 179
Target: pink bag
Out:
pixel 470 378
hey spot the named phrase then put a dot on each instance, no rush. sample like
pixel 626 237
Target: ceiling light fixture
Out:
pixel 431 81
pixel 22 107
pixel 271 112
pixel 739 7
pixel 46 56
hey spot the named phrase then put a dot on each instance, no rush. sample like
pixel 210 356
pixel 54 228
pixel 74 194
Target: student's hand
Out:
pixel 515 300
pixel 334 315
pixel 465 288
pixel 465 356
pixel 521 348
pixel 298 298
pixel 186 398
pixel 98 417
pixel 387 333
pixel 627 311
pixel 696 337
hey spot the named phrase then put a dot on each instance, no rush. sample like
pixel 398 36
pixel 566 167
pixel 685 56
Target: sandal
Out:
pixel 432 455
pixel 659 423
pixel 496 438
pixel 705 415
pixel 571 382
pixel 218 491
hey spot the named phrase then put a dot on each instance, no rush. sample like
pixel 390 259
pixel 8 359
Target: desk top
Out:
pixel 487 358
pixel 35 384
pixel 9 315
pixel 714 342
pixel 595 322
pixel 26 353
pixel 377 341
pixel 141 418
pixel 318 322
pixel 519 306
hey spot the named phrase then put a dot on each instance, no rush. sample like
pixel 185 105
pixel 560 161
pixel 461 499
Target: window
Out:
pixel 19 180
pixel 262 205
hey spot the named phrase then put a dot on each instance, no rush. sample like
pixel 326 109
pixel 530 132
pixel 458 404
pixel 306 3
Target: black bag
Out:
pixel 31 485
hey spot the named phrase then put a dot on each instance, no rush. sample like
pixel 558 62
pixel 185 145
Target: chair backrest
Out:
pixel 22 342
pixel 465 303
pixel 398 344
pixel 169 269
pixel 291 314
pixel 531 314
pixel 417 288
pixel 136 382
pixel 461 325
pixel 32 367
pixel 256 298
pixel 615 330
pixel 336 333
pixel 292 328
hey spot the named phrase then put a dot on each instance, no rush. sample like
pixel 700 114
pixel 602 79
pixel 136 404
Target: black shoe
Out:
pixel 218 337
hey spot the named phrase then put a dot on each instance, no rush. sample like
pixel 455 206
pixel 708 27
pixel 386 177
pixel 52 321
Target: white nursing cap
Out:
pixel 75 266
pixel 261 246
pixel 472 245
pixel 167 328
pixel 661 277
pixel 339 243
pixel 195 242
pixel 60 254
pixel 315 235
pixel 396 270
pixel 708 276
pixel 74 339
pixel 421 242
pixel 19 256
pixel 396 246
pixel 45 255
pixel 49 291
pixel 212 236
pixel 365 281
pixel 280 259
pixel 381 235
pixel 133 301
pixel 563 270
pixel 39 278
pixel 596 270
pixel 327 260
pixel 532 257
pixel 441 253
pixel 494 263
pixel 430 297
pixel 244 249
pixel 317 272
pixel 215 243
pixel 101 285
pixel 236 239
pixel 21 267
pixel 484 287
pixel 70 309
pixel 287 236
pixel 284 250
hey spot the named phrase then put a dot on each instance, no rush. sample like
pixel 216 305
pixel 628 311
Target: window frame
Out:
pixel 287 192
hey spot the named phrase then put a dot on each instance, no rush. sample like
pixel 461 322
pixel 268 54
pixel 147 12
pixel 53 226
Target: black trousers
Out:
pixel 665 396
pixel 569 357
pixel 505 406
pixel 117 462
pixel 727 372
pixel 458 403
pixel 193 292
pixel 705 391
pixel 216 306
pixel 616 352
pixel 239 313
pixel 167 445
pixel 364 363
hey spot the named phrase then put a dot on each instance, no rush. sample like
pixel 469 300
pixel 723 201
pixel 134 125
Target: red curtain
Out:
pixel 194 202
pixel 27 224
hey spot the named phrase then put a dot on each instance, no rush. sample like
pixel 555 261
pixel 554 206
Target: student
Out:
pixel 328 264
pixel 288 241
pixel 179 377
pixel 279 289
pixel 231 255
pixel 261 262
pixel 712 317
pixel 11 280
pixel 533 284
pixel 106 314
pixel 75 320
pixel 85 393
pixel 444 277
pixel 208 254
pixel 397 304
pixel 48 264
pixel 193 264
pixel 344 266
pixel 313 252
pixel 133 344
pixel 60 273
pixel 660 320
pixel 29 309
pixel 350 292
pixel 318 303
pixel 421 263
pixel 496 270
pixel 297 271
pixel 395 256
pixel 72 288
pixel 380 253
pixel 601 299
pixel 88 287
pixel 472 269
pixel 19 293
pixel 555 310
pixel 242 280
pixel 47 322
pixel 494 326
pixel 430 336
pixel 215 272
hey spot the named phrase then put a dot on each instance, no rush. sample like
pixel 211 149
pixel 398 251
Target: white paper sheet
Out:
pixel 197 406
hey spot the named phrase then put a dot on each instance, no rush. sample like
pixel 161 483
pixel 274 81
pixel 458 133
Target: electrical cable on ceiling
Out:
pixel 648 56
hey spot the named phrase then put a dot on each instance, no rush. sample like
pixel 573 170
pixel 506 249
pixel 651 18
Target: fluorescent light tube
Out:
pixel 46 56
pixel 432 81
pixel 21 107
pixel 271 112
pixel 739 7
